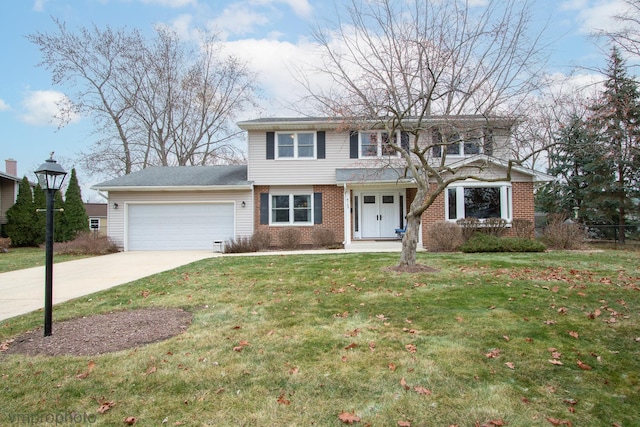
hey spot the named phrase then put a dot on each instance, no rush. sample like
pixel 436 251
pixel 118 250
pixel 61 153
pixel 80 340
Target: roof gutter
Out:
pixel 176 188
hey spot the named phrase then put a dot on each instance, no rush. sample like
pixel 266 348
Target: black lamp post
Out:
pixel 50 176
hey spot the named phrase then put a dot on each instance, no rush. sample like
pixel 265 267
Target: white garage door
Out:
pixel 179 226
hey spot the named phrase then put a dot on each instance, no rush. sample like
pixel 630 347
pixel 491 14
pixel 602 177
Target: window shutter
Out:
pixel 317 208
pixel 404 140
pixel 264 208
pixel 271 145
pixel 320 140
pixel 353 145
pixel 488 142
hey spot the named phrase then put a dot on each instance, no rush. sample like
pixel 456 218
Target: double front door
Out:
pixel 381 214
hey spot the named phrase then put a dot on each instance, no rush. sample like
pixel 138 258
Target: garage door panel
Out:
pixel 179 226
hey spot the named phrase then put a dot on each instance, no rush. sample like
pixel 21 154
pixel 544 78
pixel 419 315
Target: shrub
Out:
pixel 261 240
pixel 482 242
pixel 240 245
pixel 86 243
pixel 522 228
pixel 323 237
pixel 289 238
pixel 563 234
pixel 5 243
pixel 443 236
pixel 469 227
pixel 494 226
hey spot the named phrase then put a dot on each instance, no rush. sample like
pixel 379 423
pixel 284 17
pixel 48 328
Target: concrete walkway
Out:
pixel 22 291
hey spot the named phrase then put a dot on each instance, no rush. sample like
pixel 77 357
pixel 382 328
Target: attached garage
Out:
pixel 179 226
pixel 179 207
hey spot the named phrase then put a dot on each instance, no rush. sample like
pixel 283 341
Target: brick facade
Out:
pixel 332 215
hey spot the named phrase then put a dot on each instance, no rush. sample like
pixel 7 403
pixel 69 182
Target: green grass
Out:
pixel 20 258
pixel 334 333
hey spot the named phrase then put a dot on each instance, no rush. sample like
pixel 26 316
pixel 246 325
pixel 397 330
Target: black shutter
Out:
pixel 264 208
pixel 353 145
pixel 488 142
pixel 320 140
pixel 271 145
pixel 317 208
pixel 404 140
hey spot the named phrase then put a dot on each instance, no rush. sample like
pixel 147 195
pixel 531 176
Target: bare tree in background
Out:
pixel 157 101
pixel 394 63
pixel 628 36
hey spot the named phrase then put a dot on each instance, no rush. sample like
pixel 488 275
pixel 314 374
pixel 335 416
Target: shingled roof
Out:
pixel 162 177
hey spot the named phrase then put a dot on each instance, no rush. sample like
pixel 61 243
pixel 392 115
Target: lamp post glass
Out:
pixel 50 176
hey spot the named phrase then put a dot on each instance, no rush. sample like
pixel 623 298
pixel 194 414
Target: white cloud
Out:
pixel 175 4
pixel 598 15
pixel 239 19
pixel 301 8
pixel 3 105
pixel 38 5
pixel 47 108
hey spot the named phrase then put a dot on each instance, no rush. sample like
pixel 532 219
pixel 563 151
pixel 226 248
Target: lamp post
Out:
pixel 50 176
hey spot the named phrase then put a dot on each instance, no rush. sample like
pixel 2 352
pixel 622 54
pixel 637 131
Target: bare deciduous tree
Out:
pixel 627 37
pixel 393 64
pixel 158 101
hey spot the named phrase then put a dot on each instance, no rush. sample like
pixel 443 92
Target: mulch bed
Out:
pixel 102 333
pixel 416 268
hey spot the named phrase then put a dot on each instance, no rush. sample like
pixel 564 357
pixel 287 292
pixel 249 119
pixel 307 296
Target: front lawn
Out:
pixel 490 339
pixel 20 258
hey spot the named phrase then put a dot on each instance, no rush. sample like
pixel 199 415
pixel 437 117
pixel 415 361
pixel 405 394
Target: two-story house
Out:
pixel 316 172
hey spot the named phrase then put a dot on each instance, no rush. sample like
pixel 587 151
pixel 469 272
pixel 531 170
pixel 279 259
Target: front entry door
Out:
pixel 380 215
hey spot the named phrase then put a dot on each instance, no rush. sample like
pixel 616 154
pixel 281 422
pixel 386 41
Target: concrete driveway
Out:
pixel 22 291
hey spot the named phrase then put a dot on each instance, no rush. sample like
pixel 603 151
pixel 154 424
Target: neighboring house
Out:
pixel 9 183
pixel 311 173
pixel 97 213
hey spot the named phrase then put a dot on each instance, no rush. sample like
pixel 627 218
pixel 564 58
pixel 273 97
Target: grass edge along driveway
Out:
pixel 490 339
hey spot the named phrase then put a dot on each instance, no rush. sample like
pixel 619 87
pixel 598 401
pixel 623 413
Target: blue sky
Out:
pixel 269 33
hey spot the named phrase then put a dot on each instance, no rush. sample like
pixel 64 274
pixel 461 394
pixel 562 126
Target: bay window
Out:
pixel 480 201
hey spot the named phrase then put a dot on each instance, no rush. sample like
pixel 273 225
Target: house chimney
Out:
pixel 11 166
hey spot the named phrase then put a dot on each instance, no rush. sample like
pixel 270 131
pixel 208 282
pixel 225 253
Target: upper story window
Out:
pixel 377 144
pixel 456 144
pixel 296 145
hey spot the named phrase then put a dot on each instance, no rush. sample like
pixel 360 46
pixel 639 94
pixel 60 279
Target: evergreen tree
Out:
pixel 21 218
pixel 616 117
pixel 58 217
pixel 75 219
pixel 40 203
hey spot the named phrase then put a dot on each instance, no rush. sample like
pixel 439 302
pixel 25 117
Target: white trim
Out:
pixel 292 222
pixel 176 188
pixel 506 199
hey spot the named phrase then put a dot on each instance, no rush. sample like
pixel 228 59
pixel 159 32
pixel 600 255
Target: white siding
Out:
pixel 116 217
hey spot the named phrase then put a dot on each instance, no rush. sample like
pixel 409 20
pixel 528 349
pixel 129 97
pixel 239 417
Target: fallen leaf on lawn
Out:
pixel 459 319
pixel 404 384
pixel 404 424
pixel 557 422
pixel 353 333
pixel 151 370
pixel 4 346
pixel 493 353
pixel 348 418
pixel 130 421
pixel 381 317
pixel 510 365
pixel 372 346
pixel 105 406
pixel 583 365
pixel 555 362
pixel 90 366
pixel 411 348
pixel 550 322
pixel 556 354
pixel 499 422
pixel 421 390
pixel 506 337
pixel 574 334
pixel 392 367
pixel 351 346
pixel 241 345
pixel 293 371
pixel 283 400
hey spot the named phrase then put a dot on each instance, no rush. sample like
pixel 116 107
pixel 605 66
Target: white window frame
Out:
pixel 379 153
pixel 291 209
pixel 91 220
pixel 464 138
pixel 506 199
pixel 296 155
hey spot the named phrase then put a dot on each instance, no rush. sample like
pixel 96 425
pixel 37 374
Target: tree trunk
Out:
pixel 410 242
